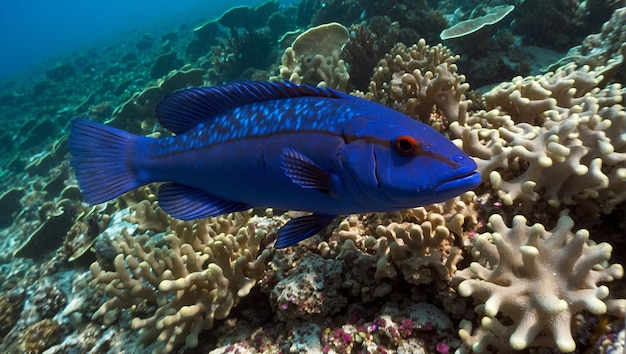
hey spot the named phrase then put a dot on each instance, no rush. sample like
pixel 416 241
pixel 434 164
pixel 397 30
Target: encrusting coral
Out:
pixel 40 336
pixel 537 279
pixel 194 279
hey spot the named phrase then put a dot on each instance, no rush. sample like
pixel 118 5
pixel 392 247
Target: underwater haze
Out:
pixel 36 31
pixel 322 106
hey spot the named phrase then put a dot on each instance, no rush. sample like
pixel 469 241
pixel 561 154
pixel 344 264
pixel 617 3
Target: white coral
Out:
pixel 539 279
pixel 551 140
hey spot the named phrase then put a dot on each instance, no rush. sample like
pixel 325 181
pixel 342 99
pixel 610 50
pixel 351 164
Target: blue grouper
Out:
pixel 281 145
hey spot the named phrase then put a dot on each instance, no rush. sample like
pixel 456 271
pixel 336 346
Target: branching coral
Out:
pixel 553 139
pixel 538 279
pixel 148 216
pixel 419 80
pixel 196 278
pixel 417 243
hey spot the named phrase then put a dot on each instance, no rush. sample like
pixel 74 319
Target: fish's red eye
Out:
pixel 406 145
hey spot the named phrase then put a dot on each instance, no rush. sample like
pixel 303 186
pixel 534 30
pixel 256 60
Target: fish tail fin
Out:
pixel 100 157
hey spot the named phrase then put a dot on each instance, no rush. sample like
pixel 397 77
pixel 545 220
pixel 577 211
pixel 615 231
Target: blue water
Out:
pixel 36 31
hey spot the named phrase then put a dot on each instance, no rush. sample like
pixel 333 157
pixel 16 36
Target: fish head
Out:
pixel 402 163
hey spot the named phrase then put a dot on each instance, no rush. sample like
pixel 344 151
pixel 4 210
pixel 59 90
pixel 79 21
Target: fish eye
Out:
pixel 406 145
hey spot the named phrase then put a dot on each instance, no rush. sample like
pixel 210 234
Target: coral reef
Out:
pixel 414 17
pixel 551 140
pixel 164 64
pixel 551 23
pixel 538 279
pixel 137 113
pixel 384 283
pixel 485 37
pixel 604 52
pixel 313 57
pixel 368 43
pixel 194 279
pixel 11 304
pixel 311 290
pixel 239 54
pixel 40 336
pixel 420 81
pixel 468 27
pixel 10 204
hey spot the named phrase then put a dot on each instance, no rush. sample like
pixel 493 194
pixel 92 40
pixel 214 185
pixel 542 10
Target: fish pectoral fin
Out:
pixel 298 229
pixel 188 203
pixel 302 171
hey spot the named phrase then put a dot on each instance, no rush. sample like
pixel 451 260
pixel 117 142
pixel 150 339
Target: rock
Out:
pixel 208 32
pixel 9 204
pixel 164 64
pixel 60 72
pixel 42 165
pixel 47 237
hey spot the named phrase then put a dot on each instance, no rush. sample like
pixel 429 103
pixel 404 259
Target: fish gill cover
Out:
pixel 444 277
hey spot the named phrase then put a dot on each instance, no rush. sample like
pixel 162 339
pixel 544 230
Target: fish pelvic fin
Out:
pixel 298 229
pixel 101 157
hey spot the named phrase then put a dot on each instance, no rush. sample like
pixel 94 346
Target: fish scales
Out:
pixel 264 119
pixel 281 145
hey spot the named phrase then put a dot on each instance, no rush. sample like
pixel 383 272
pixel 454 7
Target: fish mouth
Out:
pixel 458 181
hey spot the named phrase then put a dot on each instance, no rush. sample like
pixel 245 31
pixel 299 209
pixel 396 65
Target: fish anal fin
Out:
pixel 188 203
pixel 298 229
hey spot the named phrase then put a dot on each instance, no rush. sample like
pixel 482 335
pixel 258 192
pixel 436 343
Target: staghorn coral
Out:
pixel 419 80
pixel 536 278
pixel 550 140
pixel 196 278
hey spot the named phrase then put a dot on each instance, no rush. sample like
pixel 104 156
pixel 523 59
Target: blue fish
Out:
pixel 274 144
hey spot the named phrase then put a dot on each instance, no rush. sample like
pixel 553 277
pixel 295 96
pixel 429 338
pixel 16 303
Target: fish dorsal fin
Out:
pixel 184 109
